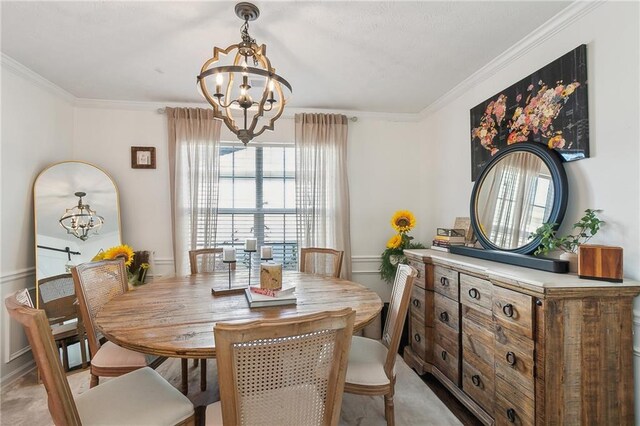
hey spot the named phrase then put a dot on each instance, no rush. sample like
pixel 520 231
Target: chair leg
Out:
pixel 203 375
pixel 94 381
pixel 185 375
pixel 195 362
pixel 83 351
pixel 388 408
pixel 65 355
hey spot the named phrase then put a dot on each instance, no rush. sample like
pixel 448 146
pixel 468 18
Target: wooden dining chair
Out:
pixel 57 298
pixel 282 372
pixel 96 283
pixel 203 261
pixel 371 368
pixel 321 261
pixel 140 397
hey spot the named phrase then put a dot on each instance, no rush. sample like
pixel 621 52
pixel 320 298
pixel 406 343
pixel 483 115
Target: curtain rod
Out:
pixel 352 118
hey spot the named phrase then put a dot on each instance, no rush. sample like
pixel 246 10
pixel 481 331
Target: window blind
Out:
pixel 257 200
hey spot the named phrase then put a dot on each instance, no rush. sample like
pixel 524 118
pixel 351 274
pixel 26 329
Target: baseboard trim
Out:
pixel 18 373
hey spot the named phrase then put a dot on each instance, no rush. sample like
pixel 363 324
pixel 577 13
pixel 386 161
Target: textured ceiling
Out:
pixel 373 56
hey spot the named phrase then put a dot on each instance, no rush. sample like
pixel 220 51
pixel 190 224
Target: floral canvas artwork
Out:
pixel 549 107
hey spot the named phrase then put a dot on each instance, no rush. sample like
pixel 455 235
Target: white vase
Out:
pixel 572 258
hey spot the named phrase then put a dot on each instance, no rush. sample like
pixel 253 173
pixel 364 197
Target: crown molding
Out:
pixel 10 64
pixel 557 23
pixel 289 112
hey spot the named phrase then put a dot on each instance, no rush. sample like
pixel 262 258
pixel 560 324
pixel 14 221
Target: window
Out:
pixel 257 199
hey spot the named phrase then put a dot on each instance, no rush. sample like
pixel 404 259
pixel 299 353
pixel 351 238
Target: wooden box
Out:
pixel 600 263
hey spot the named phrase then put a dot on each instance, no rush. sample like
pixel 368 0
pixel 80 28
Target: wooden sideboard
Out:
pixel 521 346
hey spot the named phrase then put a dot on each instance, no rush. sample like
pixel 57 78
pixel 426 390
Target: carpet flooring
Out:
pixel 23 402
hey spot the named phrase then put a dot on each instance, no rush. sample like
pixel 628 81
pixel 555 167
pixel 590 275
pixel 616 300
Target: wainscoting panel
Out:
pixel 365 270
pixel 15 350
pixel 162 267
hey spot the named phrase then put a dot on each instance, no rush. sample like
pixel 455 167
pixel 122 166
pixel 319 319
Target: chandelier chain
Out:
pixel 246 38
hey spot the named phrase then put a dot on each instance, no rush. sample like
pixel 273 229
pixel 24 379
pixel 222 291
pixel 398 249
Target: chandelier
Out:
pixel 257 98
pixel 80 220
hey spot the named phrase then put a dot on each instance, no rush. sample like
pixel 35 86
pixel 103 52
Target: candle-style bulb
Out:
pixel 219 80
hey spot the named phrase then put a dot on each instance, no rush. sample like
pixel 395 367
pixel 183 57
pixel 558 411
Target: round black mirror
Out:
pixel 521 188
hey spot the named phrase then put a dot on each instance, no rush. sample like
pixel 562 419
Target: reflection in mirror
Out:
pixel 55 193
pixel 515 197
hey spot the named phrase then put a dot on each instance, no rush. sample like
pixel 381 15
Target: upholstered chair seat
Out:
pixel 114 356
pixel 366 362
pixel 141 397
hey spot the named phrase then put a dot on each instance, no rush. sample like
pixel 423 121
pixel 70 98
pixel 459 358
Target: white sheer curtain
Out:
pixel 194 148
pixel 322 188
pixel 509 199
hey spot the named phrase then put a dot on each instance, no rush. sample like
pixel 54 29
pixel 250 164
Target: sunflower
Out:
pixel 394 242
pixel 123 251
pixel 403 221
pixel 99 256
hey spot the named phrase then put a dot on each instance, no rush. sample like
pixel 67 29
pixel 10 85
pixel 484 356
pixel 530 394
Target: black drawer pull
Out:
pixel 476 380
pixel 511 415
pixel 508 310
pixel 417 337
pixel 474 293
pixel 416 303
pixel 444 281
pixel 443 355
pixel 444 316
pixel 511 358
pixel 418 274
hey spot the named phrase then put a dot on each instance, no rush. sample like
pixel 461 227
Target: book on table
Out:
pixel 286 296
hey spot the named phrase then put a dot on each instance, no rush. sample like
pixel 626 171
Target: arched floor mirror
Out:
pixel 77 214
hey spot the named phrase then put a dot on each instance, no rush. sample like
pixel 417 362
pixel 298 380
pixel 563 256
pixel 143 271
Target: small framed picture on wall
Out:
pixel 143 157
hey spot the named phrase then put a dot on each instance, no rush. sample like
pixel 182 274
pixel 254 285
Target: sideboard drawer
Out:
pixel 446 312
pixel 514 360
pixel 478 337
pixel 419 280
pixel 513 310
pixel 417 302
pixel 447 338
pixel 475 291
pixel 512 407
pixel 418 338
pixel 447 362
pixel 477 382
pixel 445 281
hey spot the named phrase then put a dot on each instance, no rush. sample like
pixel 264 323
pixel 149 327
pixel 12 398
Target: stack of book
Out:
pixel 258 297
pixel 446 238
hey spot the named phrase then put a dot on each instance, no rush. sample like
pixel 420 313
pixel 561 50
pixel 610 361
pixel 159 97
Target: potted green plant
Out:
pixel 585 228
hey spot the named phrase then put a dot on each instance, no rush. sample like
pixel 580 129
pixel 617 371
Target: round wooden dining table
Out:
pixel 174 317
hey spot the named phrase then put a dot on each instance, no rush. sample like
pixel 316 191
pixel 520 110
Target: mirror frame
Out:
pixel 560 191
pixel 35 212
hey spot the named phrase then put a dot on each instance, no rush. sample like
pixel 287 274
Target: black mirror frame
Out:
pixel 560 191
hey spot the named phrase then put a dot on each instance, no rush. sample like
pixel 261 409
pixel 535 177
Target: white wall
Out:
pixel 610 179
pixel 37 130
pixel 380 165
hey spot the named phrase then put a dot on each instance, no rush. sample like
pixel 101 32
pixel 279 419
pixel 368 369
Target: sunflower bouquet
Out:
pixel 136 273
pixel 402 221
